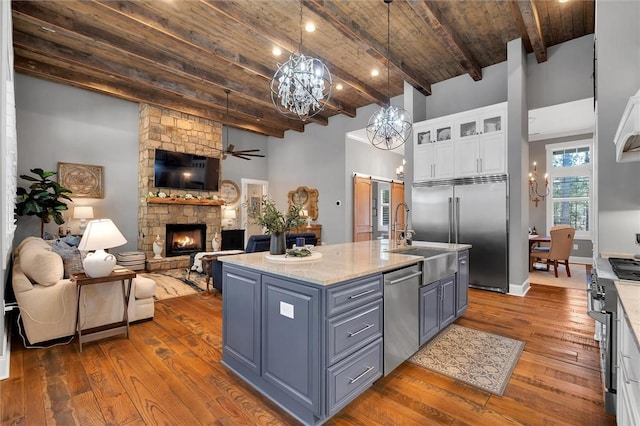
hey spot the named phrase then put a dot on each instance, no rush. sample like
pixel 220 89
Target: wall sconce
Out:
pixel 83 213
pixel 400 170
pixel 534 195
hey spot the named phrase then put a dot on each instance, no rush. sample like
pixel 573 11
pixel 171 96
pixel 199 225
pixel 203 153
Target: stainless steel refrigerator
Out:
pixel 468 211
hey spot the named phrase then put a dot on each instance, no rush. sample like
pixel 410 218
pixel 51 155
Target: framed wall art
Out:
pixel 83 180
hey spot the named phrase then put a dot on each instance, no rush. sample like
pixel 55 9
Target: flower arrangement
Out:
pixel 187 196
pixel 267 215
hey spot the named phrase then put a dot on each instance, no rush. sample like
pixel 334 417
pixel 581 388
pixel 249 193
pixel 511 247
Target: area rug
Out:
pixel 176 282
pixel 478 358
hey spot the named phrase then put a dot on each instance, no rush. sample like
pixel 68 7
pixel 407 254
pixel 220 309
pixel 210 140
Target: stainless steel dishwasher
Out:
pixel 401 317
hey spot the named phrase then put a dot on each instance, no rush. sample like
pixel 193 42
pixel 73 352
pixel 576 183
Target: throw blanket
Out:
pixel 197 262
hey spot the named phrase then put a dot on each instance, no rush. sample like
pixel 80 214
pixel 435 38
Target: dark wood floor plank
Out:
pixel 170 372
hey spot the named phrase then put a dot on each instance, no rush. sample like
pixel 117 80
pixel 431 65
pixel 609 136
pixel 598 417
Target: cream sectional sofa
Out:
pixel 47 301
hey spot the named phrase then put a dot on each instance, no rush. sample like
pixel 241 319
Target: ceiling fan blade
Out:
pixel 243 151
pixel 241 156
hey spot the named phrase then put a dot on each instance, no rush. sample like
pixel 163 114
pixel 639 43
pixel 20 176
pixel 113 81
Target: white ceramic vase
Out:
pixel 215 243
pixel 157 248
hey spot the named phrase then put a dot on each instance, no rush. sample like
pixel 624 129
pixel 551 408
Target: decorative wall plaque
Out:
pixel 83 180
pixel 307 198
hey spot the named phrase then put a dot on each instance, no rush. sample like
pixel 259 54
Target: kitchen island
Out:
pixel 309 334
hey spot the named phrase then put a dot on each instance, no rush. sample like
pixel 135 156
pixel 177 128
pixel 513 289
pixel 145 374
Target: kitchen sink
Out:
pixel 437 264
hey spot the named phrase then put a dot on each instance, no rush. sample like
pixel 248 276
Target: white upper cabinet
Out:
pixel 471 143
pixel 433 150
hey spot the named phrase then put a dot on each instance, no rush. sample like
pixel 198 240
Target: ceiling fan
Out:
pixel 245 154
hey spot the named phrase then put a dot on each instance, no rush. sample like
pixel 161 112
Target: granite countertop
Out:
pixel 629 295
pixel 339 262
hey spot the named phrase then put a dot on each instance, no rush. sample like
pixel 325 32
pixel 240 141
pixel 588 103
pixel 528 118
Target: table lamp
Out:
pixel 83 213
pixel 230 214
pixel 100 234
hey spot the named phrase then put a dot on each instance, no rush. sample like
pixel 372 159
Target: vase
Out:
pixel 215 243
pixel 277 244
pixel 157 248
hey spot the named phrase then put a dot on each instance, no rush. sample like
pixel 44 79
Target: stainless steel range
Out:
pixel 602 306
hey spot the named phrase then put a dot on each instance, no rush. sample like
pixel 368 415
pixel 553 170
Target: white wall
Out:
pixel 318 159
pixel 618 77
pixel 58 123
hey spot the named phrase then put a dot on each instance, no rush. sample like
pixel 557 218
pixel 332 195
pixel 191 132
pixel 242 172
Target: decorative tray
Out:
pixel 283 258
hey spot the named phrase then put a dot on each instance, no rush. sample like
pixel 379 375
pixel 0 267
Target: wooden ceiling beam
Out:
pixel 347 27
pixel 139 77
pixel 522 29
pixel 268 33
pixel 531 20
pixel 447 36
pixel 185 35
pixel 34 14
pixel 79 79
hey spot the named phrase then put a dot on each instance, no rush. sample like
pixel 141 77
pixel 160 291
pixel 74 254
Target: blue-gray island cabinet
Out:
pixel 308 335
pixel 310 349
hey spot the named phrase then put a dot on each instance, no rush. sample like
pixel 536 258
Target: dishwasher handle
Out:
pixel 405 278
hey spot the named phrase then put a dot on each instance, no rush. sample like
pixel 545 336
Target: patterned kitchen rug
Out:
pixel 478 358
pixel 176 282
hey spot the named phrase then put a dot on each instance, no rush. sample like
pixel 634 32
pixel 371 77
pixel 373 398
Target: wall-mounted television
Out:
pixel 179 170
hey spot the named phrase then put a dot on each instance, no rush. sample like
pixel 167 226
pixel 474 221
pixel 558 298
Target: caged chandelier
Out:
pixel 301 87
pixel 390 127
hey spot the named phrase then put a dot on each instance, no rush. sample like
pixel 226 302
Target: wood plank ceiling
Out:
pixel 183 54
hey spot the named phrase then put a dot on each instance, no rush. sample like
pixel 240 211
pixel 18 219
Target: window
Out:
pixel 384 208
pixel 570 177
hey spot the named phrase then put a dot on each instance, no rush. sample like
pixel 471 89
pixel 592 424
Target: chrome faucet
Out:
pixel 405 234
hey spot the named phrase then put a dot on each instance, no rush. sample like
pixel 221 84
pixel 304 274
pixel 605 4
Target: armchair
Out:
pixel 558 251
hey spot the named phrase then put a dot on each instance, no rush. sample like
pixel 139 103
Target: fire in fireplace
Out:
pixel 185 238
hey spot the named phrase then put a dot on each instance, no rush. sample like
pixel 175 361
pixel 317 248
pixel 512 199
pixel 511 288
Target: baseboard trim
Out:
pixel 581 260
pixel 520 289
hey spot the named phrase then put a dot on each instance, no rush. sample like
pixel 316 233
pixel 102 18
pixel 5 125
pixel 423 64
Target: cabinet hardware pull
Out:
pixel 355 333
pixel 360 376
pixel 364 293
pixel 405 278
pixel 463 262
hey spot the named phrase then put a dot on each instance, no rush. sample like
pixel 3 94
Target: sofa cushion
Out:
pixel 144 287
pixel 71 258
pixel 41 266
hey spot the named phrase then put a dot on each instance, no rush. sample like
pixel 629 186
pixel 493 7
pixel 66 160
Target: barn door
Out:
pixel 362 227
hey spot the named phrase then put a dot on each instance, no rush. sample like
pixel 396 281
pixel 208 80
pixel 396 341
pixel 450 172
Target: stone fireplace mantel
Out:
pixel 183 201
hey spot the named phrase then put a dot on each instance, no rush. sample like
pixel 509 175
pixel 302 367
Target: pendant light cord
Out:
pixel 388 49
pixel 227 91
pixel 300 44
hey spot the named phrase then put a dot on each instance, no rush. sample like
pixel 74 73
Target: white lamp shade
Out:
pixel 101 234
pixel 230 213
pixel 83 212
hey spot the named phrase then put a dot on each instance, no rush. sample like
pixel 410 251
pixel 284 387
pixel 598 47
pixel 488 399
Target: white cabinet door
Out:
pixel 466 157
pixel 443 164
pixel 423 163
pixel 492 153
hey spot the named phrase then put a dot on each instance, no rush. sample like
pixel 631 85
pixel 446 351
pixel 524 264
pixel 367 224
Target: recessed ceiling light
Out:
pixel 310 27
pixel 339 86
pixel 276 51
pixel 563 1
pixel 375 72
pixel 51 30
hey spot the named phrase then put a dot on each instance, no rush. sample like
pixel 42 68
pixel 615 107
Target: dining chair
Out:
pixel 558 251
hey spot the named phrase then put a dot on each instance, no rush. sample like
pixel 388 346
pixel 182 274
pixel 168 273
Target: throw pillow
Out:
pixel 72 240
pixel 71 258
pixel 41 266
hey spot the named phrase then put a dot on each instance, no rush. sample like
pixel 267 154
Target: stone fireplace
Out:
pixel 185 238
pixel 174 131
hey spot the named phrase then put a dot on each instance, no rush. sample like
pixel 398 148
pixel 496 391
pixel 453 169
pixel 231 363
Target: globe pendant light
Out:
pixel 301 87
pixel 391 126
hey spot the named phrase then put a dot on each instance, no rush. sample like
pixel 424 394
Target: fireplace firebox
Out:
pixel 185 238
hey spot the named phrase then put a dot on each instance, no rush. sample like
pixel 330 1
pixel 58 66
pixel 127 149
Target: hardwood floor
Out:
pixel 169 372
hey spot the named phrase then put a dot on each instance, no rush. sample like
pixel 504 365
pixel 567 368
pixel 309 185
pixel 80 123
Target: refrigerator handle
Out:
pixel 450 217
pixel 457 220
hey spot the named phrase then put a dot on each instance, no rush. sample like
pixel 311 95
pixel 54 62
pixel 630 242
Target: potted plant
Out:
pixel 276 223
pixel 42 199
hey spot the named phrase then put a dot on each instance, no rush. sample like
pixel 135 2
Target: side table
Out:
pixel 123 275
